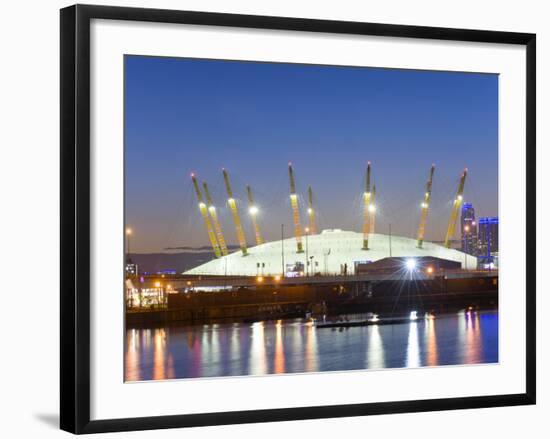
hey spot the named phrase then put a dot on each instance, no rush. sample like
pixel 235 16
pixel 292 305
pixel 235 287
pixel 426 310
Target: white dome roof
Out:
pixel 330 250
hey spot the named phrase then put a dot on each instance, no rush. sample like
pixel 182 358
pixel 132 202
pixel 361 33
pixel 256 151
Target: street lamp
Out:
pixel 307 250
pixel 128 234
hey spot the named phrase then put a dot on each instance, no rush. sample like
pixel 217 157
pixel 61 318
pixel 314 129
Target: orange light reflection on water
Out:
pixel 311 349
pixel 432 357
pixel 159 344
pixel 472 349
pixel 279 361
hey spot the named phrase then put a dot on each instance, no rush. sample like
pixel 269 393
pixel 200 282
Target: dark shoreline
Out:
pixel 385 298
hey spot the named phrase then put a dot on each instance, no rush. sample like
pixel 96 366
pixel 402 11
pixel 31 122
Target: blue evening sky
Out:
pixel 188 115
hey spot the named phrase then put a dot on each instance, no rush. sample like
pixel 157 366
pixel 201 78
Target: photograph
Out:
pixel 285 218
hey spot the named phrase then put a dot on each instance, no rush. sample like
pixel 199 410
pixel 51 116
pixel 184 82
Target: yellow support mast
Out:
pixel 454 212
pixel 253 210
pixel 204 214
pixel 214 216
pixel 367 210
pixel 425 207
pixel 311 212
pixel 236 219
pixel 295 211
pixel 372 209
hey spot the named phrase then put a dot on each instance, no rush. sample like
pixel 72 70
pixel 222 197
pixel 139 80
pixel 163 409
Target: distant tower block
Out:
pixel 454 212
pixel 204 214
pixel 311 212
pixel 425 207
pixel 372 209
pixel 367 201
pixel 253 210
pixel 214 216
pixel 295 210
pixel 236 219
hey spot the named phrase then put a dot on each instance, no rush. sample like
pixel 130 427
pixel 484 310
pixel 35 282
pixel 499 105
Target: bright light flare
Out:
pixel 410 264
pixel 253 210
pixel 430 270
pixel 128 231
pixel 413 315
pixel 277 278
pixel 260 279
pixel 372 208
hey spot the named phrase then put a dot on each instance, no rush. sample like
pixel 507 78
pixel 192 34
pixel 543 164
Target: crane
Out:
pixel 236 219
pixel 454 212
pixel 204 214
pixel 295 211
pixel 425 206
pixel 214 216
pixel 253 210
pixel 311 212
pixel 367 209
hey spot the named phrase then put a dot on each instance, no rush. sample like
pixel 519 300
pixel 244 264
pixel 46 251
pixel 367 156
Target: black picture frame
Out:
pixel 75 217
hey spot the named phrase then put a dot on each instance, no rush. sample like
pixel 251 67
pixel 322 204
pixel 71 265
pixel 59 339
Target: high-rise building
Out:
pixel 488 237
pixel 469 229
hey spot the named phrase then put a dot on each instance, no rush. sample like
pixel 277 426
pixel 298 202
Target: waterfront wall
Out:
pixel 437 295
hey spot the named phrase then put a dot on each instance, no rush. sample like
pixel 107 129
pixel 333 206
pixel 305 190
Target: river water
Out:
pixel 292 346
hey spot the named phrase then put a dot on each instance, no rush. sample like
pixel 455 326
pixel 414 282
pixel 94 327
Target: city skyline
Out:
pixel 184 116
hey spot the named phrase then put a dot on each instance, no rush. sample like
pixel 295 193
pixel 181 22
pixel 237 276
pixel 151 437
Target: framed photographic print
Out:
pixel 268 218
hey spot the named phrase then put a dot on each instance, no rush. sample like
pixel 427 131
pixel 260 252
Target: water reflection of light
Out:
pixel 311 349
pixel 279 361
pixel 234 343
pixel 206 352
pixel 257 359
pixel 432 357
pixel 196 357
pixel 147 338
pixel 131 364
pixel 461 332
pixel 210 351
pixel 472 348
pixel 375 349
pixel 413 351
pixel 158 355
